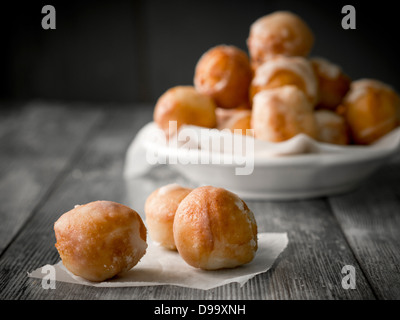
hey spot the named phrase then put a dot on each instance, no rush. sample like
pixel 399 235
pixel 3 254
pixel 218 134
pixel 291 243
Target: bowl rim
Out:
pixel 333 155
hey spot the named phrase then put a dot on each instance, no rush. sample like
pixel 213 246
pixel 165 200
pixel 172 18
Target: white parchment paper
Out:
pixel 164 267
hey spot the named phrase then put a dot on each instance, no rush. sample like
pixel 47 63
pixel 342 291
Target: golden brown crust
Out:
pixel 160 208
pixel 333 84
pixel 100 239
pixel 281 113
pixel 215 229
pixel 371 109
pixel 224 73
pixel 279 33
pixel 332 128
pixel 186 106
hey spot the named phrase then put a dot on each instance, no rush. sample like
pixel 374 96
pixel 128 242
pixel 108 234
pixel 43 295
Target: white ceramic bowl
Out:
pixel 328 170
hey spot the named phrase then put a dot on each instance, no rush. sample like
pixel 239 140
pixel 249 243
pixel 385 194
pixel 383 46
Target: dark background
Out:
pixel 132 51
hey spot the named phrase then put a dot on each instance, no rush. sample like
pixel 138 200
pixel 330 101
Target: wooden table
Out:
pixel 55 155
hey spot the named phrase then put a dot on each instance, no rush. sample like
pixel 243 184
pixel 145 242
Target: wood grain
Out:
pixel 37 142
pixel 370 219
pixel 310 268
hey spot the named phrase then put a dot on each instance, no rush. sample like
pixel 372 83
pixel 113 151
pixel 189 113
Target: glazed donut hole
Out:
pixel 333 84
pixel 100 240
pixel 160 208
pixel 371 109
pixel 282 71
pixel 278 33
pixel 332 128
pixel 224 74
pixel 185 105
pixel 214 229
pixel 281 113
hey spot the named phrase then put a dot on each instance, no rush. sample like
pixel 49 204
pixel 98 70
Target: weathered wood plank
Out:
pixel 370 219
pixel 37 141
pixel 308 269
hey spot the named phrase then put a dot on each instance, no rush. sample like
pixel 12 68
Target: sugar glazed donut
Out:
pixel 184 105
pixel 282 71
pixel 333 84
pixel 332 128
pixel 101 239
pixel 278 33
pixel 160 208
pixel 371 109
pixel 224 73
pixel 281 113
pixel 214 229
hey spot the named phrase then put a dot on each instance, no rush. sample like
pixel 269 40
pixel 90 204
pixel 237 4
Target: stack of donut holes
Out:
pixel 279 92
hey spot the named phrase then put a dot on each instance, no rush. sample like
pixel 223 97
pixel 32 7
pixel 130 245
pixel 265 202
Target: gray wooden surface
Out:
pixel 53 156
